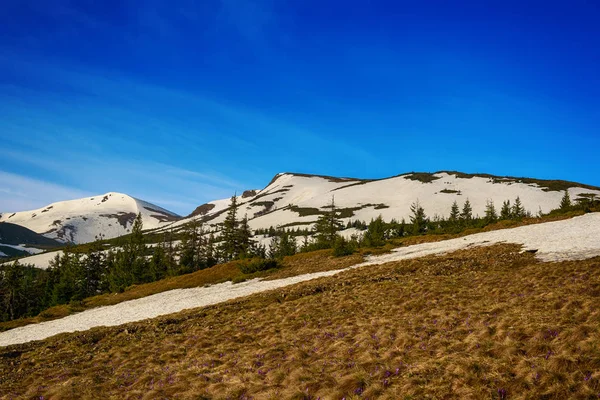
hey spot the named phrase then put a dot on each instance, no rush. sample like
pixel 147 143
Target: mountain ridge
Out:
pixel 296 199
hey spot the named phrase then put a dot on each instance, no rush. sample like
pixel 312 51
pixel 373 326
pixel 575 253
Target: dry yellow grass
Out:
pixel 482 323
pixel 302 263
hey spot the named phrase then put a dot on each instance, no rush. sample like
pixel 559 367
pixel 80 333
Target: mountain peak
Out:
pixel 82 220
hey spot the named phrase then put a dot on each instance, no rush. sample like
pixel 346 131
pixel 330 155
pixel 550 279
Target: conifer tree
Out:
pixel 281 246
pixel 11 289
pixel 210 253
pixel 229 232
pixel 506 210
pixel 565 203
pixel 375 235
pixel 454 213
pixel 244 239
pixel 518 211
pixel 93 271
pixel 466 215
pixel 171 267
pixel 490 212
pixel 418 219
pixel 129 265
pixel 67 268
pixel 189 247
pixel 135 249
pixel 327 226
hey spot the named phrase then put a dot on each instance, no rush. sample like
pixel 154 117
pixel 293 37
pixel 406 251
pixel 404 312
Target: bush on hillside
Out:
pixel 343 247
pixel 252 265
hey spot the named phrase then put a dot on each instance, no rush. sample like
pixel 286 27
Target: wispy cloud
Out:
pixel 21 193
pixel 99 130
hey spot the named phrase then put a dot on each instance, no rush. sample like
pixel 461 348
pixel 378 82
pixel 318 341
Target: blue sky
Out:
pixel 181 102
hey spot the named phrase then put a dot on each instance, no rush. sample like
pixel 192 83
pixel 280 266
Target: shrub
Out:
pixel 252 265
pixel 343 247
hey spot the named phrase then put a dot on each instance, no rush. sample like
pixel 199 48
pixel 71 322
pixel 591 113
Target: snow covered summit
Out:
pixel 297 200
pixel 81 220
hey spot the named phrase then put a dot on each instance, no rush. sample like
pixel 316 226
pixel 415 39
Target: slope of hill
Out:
pixel 297 200
pixel 550 241
pixel 18 235
pixel 16 240
pixel 81 220
pixel 486 321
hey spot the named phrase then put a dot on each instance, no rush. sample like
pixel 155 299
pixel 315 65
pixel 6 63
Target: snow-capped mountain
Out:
pixel 81 220
pixel 297 200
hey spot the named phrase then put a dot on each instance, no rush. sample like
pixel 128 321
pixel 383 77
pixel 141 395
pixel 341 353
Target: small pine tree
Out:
pixel 490 212
pixel 244 239
pixel 189 247
pixel 375 235
pixel 466 215
pixel 11 289
pixel 518 211
pixel 229 233
pixel 129 265
pixel 327 226
pixel 565 203
pixel 454 213
pixel 93 270
pixel 506 210
pixel 281 246
pixel 343 247
pixel 157 269
pixel 418 219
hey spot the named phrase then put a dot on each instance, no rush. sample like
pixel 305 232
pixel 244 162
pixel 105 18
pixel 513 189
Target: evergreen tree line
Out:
pixel 326 231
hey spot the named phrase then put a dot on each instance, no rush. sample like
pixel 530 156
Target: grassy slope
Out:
pixel 479 323
pixel 296 265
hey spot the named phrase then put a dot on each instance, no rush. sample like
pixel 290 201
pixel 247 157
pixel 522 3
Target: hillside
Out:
pixel 550 241
pixel 296 200
pixel 293 200
pixel 82 220
pixel 470 318
pixel 16 240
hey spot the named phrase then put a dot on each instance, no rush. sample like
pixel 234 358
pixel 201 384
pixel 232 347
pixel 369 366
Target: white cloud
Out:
pixel 19 193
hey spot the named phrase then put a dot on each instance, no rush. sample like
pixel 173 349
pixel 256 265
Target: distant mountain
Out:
pixel 297 200
pixel 17 234
pixel 16 240
pixel 82 220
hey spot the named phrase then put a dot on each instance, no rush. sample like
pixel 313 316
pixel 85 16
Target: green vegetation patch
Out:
pixel 253 265
pixel 306 211
pixel 547 185
pixel 450 191
pixel 425 177
pixel 381 206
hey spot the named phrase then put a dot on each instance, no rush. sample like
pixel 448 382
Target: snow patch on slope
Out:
pixel 572 239
pixel 23 247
